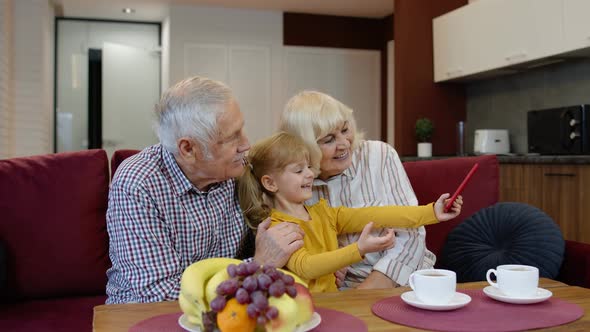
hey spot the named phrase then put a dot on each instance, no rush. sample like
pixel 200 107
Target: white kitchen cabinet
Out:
pixel 576 24
pixel 456 48
pixel 492 34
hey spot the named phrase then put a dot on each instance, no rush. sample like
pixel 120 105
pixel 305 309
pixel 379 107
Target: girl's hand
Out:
pixel 370 243
pixel 454 211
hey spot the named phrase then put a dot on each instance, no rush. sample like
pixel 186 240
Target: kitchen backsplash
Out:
pixel 503 102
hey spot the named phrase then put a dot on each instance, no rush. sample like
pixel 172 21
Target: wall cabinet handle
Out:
pixel 560 174
pixel 454 72
pixel 516 56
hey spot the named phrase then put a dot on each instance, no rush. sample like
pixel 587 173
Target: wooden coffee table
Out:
pixel 120 317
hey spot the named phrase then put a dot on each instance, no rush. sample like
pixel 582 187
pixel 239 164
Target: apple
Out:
pixel 288 317
pixel 304 303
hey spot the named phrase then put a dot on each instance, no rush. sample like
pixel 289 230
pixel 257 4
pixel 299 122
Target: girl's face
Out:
pixel 293 183
pixel 336 151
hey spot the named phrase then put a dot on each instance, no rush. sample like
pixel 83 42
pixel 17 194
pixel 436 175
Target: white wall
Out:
pixel 351 76
pixel 244 48
pixel 250 39
pixel 26 107
pixel 165 79
pixel 6 79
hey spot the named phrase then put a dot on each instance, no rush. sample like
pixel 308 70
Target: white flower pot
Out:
pixel 424 149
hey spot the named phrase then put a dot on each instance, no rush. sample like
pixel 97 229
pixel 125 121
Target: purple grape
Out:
pixel 261 320
pixel 250 284
pixel 242 296
pixel 217 304
pixel 232 286
pixel 231 270
pixel 259 300
pixel 209 320
pixel 252 267
pixel 277 288
pixel 274 275
pixel 251 310
pixel 291 291
pixel 264 281
pixel 272 313
pixel 288 280
pixel 220 290
pixel 227 287
pixel 242 270
pixel 268 268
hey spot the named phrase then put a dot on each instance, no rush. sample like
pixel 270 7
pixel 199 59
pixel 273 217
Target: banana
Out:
pixel 193 313
pixel 210 289
pixel 195 277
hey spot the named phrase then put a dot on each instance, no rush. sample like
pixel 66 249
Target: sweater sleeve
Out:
pixel 312 266
pixel 352 220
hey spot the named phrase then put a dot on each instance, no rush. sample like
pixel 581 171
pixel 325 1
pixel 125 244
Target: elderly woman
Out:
pixel 354 172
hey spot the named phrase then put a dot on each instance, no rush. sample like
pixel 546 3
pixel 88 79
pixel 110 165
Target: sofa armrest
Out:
pixel 575 269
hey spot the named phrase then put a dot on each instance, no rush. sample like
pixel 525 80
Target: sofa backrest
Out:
pixel 431 178
pixel 53 224
pixel 118 157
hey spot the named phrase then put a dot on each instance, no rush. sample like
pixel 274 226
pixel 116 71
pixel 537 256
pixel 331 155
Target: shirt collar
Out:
pixel 180 182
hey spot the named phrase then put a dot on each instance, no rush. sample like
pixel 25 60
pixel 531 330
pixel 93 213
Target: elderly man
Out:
pixel 175 203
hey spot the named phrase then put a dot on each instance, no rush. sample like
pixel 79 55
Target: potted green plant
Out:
pixel 424 130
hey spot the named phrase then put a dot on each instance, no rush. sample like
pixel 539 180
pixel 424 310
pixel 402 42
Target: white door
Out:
pixel 130 89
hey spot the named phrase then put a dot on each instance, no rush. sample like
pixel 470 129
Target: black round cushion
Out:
pixel 504 233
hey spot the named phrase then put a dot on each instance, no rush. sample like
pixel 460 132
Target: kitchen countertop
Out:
pixel 523 159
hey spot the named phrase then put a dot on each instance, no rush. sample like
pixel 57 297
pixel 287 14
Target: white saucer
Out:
pixel 540 295
pixel 459 300
pixel 314 321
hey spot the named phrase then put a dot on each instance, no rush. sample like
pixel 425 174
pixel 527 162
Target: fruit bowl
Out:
pixel 315 320
pixel 224 294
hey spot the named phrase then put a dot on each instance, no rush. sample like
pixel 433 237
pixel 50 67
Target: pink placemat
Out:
pixel 338 321
pixel 161 323
pixel 332 321
pixel 482 314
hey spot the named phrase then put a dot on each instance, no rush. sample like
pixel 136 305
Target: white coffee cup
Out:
pixel 515 280
pixel 434 286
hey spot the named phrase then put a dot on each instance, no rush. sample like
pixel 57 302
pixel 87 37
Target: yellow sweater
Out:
pixel 320 256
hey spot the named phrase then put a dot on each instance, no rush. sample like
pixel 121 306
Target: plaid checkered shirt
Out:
pixel 159 223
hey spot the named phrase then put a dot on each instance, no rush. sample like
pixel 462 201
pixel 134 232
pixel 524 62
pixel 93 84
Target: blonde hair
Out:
pixel 312 115
pixel 267 156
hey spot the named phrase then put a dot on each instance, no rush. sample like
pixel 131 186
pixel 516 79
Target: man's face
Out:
pixel 227 151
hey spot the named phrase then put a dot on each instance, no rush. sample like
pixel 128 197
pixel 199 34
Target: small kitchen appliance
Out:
pixel 562 130
pixel 491 141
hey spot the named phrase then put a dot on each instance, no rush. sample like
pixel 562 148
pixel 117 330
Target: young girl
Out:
pixel 277 183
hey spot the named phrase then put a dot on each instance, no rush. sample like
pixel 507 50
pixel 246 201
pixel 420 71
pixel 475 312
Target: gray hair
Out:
pixel 190 109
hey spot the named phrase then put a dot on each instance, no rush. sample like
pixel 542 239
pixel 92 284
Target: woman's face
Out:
pixel 336 151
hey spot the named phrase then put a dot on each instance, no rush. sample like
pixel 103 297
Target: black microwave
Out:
pixel 562 130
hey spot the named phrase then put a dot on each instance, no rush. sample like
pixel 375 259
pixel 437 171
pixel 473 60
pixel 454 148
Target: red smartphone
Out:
pixel 461 187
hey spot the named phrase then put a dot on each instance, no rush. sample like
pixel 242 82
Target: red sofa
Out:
pixel 53 228
pixel 54 231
